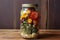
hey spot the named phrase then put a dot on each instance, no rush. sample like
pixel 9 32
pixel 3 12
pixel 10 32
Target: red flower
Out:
pixel 34 15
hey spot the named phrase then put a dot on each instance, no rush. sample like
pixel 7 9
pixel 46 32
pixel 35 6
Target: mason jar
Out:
pixel 29 20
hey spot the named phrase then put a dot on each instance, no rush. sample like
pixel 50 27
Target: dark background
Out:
pixel 54 14
pixel 6 13
pixel 10 12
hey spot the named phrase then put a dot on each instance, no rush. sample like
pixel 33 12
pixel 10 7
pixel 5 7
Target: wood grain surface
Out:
pixel 14 34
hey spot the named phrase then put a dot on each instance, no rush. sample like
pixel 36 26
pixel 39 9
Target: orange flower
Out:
pixel 35 22
pixel 29 20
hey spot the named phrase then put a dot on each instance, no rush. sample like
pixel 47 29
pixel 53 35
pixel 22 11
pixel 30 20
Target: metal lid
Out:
pixel 29 5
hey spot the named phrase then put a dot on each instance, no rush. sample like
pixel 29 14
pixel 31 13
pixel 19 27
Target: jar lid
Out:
pixel 29 5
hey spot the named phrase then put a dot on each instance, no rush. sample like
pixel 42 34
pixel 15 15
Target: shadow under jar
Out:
pixel 29 20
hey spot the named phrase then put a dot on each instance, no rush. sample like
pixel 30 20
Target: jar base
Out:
pixel 33 35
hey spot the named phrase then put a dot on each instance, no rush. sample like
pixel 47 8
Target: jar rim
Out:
pixel 29 5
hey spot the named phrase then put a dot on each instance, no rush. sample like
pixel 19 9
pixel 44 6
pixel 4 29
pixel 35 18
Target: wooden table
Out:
pixel 14 34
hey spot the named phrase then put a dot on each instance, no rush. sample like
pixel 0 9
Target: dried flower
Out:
pixel 29 20
pixel 28 11
pixel 34 15
pixel 24 16
pixel 35 22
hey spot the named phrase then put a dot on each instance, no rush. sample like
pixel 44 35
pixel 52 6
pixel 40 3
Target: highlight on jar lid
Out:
pixel 29 5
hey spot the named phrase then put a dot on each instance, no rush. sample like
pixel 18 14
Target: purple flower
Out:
pixel 23 20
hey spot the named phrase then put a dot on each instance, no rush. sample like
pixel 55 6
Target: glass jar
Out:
pixel 29 21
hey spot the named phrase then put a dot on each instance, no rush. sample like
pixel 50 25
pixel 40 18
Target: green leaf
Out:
pixel 34 30
pixel 27 31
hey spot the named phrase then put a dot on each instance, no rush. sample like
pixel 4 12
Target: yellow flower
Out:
pixel 29 20
pixel 28 11
pixel 23 16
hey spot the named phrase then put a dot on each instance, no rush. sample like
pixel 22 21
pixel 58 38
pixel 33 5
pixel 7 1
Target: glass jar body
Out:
pixel 29 21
